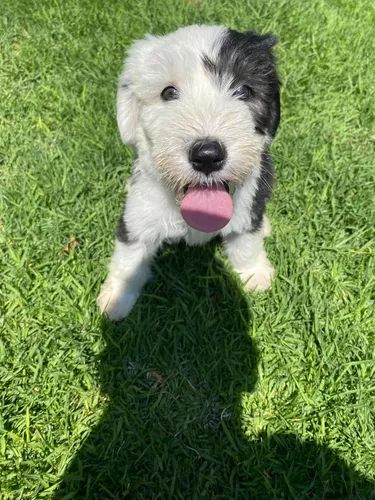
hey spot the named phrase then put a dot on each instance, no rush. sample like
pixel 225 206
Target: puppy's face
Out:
pixel 199 104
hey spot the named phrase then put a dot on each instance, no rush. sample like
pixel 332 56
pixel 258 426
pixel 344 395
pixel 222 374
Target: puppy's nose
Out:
pixel 207 156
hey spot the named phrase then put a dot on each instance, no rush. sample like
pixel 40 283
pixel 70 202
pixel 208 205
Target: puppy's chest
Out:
pixel 193 237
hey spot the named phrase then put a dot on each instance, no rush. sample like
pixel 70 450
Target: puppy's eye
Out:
pixel 169 94
pixel 244 93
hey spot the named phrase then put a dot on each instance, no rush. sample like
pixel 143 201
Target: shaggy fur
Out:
pixel 226 89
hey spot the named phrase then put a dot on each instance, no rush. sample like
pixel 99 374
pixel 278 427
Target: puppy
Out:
pixel 201 107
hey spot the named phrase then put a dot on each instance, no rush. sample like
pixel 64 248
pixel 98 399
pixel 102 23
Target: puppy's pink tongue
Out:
pixel 207 209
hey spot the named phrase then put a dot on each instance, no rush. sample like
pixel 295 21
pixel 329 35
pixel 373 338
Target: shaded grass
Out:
pixel 311 338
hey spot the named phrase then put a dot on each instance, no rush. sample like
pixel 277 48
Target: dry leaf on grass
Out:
pixel 158 376
pixel 216 298
pixel 72 243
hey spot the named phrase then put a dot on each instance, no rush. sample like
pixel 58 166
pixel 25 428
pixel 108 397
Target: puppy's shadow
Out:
pixel 174 373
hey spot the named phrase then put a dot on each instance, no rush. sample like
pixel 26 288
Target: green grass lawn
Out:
pixel 203 392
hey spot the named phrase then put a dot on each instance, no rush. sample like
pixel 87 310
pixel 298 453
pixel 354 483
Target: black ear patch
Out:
pixel 247 59
pixel 263 191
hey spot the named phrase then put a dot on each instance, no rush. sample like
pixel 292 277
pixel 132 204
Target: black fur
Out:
pixel 122 233
pixel 209 64
pixel 247 59
pixel 263 193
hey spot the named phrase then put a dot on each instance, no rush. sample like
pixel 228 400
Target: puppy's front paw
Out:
pixel 115 300
pixel 258 277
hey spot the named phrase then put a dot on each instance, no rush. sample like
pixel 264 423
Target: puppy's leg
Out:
pixel 129 270
pixel 248 257
pixel 266 227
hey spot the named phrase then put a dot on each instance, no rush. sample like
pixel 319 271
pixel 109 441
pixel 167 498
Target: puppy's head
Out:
pixel 199 104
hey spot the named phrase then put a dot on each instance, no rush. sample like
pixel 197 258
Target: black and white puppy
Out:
pixel 201 106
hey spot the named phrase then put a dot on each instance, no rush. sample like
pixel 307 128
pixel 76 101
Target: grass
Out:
pixel 203 392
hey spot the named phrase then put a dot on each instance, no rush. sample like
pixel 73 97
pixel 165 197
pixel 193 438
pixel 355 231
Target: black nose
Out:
pixel 207 156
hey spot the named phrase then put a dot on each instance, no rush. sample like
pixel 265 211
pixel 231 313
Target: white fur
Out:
pixel 128 272
pixel 162 133
pixel 249 259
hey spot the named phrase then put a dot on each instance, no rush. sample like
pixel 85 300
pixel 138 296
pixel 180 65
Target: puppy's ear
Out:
pixel 274 111
pixel 262 46
pixel 127 111
pixel 266 41
pixel 128 105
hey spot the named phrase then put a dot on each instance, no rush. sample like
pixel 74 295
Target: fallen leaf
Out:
pixel 72 243
pixel 158 376
pixel 216 298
